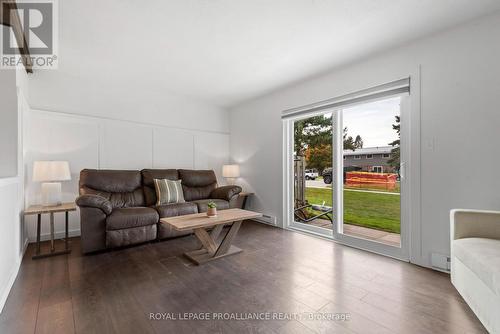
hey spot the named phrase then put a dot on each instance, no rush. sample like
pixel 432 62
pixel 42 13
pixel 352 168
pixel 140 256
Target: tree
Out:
pixel 350 143
pixel 319 157
pixel 312 132
pixel 316 131
pixel 394 161
pixel 358 142
pixel 313 140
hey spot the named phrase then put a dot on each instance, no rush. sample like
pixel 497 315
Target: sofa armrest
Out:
pixel 474 224
pixel 225 192
pixel 95 201
pixel 92 229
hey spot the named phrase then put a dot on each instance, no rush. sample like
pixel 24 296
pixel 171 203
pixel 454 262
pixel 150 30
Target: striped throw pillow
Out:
pixel 168 191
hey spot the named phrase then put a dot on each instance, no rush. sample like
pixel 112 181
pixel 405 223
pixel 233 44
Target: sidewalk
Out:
pixel 388 238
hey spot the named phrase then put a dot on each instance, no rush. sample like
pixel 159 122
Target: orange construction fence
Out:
pixel 365 179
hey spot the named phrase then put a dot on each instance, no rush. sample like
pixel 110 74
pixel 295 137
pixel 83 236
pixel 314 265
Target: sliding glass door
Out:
pixel 312 162
pixel 346 166
pixel 370 183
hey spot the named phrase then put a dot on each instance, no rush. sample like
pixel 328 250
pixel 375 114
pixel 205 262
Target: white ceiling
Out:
pixel 227 51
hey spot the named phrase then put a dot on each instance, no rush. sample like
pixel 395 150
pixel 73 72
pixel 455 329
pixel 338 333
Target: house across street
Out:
pixel 370 159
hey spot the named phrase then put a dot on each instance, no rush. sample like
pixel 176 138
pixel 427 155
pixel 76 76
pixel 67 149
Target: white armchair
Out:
pixel 475 262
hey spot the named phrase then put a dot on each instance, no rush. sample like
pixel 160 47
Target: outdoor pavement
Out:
pixel 388 238
pixel 316 184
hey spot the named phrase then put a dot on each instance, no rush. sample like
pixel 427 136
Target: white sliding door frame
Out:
pixel 410 249
pixel 288 179
pixel 401 252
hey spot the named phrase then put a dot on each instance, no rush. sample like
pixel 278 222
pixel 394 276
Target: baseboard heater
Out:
pixel 441 262
pixel 266 219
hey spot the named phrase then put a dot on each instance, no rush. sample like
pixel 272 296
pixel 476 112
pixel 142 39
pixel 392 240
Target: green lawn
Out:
pixel 379 211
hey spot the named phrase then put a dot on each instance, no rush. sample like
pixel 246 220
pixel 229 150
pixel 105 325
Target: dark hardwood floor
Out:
pixel 279 271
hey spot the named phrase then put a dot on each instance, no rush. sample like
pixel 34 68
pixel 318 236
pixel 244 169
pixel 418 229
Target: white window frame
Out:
pixel 369 156
pixel 381 169
pixel 357 157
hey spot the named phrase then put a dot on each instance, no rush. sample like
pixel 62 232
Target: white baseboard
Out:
pixel 12 277
pixel 57 235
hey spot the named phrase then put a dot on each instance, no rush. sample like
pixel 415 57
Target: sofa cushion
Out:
pixel 131 217
pixel 176 209
pixel 481 256
pixel 122 188
pixel 118 200
pixel 197 184
pixel 203 204
pixel 166 231
pixel 148 176
pixel 226 192
pixel 111 181
pixel 130 236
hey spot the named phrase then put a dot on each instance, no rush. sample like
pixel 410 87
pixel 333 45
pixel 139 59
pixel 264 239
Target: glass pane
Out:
pixel 312 171
pixel 372 200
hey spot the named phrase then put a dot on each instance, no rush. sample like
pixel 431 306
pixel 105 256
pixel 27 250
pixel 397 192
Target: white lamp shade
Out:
pixel 231 171
pixel 48 171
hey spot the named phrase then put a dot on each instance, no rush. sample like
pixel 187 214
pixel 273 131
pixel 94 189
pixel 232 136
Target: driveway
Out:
pixel 316 184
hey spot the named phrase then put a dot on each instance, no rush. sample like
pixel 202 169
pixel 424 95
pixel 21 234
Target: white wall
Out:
pixel 58 91
pixel 12 232
pixel 90 142
pixel 460 118
pixel 8 116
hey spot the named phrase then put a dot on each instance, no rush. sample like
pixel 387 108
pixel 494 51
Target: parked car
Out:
pixel 327 173
pixel 311 174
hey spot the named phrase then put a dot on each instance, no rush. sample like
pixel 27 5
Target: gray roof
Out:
pixel 369 150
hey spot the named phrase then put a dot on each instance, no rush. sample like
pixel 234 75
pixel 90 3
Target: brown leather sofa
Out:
pixel 118 207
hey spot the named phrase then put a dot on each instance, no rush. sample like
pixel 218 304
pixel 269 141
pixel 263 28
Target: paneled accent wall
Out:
pixel 89 142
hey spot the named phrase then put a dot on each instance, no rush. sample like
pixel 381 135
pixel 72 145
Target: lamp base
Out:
pixel 231 181
pixel 51 193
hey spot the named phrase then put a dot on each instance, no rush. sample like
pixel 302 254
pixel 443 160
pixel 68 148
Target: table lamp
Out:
pixel 231 173
pixel 51 173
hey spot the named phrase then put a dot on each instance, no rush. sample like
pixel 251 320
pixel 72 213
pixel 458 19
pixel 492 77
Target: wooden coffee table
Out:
pixel 199 222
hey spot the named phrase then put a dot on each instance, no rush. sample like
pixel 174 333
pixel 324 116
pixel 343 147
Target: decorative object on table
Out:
pixel 51 173
pixel 212 209
pixel 39 210
pixel 231 173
